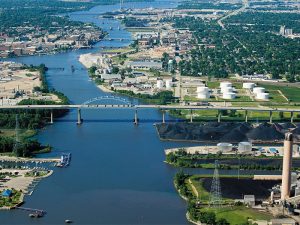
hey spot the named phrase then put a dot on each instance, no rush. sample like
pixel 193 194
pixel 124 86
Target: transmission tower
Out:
pixel 215 199
pixel 17 143
pixel 121 4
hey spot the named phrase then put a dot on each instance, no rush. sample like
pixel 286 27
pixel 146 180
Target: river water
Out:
pixel 117 174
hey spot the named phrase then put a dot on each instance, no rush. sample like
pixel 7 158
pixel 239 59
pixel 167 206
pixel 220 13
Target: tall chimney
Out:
pixel 286 167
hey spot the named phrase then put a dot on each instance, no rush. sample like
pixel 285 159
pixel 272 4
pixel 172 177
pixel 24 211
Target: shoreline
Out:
pixel 104 89
pixel 23 184
pixel 22 159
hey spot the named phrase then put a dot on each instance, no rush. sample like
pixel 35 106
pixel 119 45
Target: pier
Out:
pixel 65 160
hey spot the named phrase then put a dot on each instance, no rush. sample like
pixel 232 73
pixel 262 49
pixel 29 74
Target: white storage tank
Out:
pixel 257 90
pixel 224 147
pixel 168 84
pixel 262 96
pixel 159 84
pixel 225 84
pixel 229 95
pixel 227 89
pixel 203 95
pixel 202 89
pixel 245 147
pixel 248 85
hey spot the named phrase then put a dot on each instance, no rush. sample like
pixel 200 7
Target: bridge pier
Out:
pixel 163 116
pixel 292 117
pixel 271 116
pixel 51 116
pixel 79 120
pixel 136 120
pixel 191 117
pixel 246 116
pixel 219 116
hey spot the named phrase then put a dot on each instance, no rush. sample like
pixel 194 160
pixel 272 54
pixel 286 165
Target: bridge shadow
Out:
pixel 118 120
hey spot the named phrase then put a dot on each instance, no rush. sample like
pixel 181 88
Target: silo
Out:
pixel 224 147
pixel 286 166
pixel 245 147
pixel 248 85
pixel 257 90
pixel 168 84
pixel 229 95
pixel 262 96
pixel 159 84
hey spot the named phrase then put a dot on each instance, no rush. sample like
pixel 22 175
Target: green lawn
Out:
pixel 238 214
pixel 292 93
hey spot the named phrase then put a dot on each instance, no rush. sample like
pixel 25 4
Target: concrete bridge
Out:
pixel 164 108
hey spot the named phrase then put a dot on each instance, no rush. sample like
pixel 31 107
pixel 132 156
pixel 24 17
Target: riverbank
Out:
pixel 19 182
pixel 196 191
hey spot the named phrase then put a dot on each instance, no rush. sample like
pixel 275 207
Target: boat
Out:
pixel 68 221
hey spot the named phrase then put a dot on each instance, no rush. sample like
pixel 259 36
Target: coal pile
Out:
pixel 234 188
pixel 265 132
pixel 232 132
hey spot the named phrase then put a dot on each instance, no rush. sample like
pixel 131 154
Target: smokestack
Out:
pixel 286 166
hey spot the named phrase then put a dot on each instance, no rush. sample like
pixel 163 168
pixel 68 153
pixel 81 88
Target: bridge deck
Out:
pixel 163 107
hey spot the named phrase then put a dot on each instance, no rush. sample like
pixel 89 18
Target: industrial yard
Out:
pixel 17 82
pixel 273 198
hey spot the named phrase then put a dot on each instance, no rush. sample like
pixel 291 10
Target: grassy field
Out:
pixel 233 214
pixel 292 93
pixel 204 115
pixel 238 214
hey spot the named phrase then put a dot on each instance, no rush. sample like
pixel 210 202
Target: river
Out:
pixel 117 174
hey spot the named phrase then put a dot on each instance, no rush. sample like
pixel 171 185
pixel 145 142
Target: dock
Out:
pixel 64 160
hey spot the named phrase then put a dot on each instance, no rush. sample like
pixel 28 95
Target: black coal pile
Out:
pixel 265 132
pixel 232 132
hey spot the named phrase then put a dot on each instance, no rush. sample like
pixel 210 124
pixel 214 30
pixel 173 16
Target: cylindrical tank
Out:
pixel 286 166
pixel 224 147
pixel 225 84
pixel 203 95
pixel 248 85
pixel 168 84
pixel 257 90
pixel 245 147
pixel 202 89
pixel 229 95
pixel 159 84
pixel 262 96
pixel 227 89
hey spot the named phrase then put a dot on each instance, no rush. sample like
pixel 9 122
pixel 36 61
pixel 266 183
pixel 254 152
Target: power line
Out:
pixel 17 143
